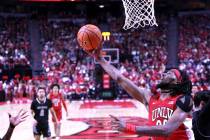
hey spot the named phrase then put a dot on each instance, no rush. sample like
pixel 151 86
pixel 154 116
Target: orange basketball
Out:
pixel 89 37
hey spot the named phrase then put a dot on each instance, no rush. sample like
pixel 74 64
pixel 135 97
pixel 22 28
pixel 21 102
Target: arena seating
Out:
pixel 194 49
pixel 143 55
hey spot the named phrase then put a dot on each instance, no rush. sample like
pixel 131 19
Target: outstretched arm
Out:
pixel 14 121
pixel 161 130
pixel 141 94
pixel 164 130
pixel 9 133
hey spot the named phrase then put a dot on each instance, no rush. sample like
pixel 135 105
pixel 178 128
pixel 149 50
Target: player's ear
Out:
pixel 202 103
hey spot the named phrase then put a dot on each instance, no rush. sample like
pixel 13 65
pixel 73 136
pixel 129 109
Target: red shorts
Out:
pixel 58 114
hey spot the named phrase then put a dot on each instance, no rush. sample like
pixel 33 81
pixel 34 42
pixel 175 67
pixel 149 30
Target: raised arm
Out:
pixel 141 94
pixel 14 121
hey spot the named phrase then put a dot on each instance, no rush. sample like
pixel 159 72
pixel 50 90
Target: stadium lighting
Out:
pixel 101 6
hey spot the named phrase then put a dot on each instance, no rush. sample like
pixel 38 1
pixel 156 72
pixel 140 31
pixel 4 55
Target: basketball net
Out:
pixel 139 13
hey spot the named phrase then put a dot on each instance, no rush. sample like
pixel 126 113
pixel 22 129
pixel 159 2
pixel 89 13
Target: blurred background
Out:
pixel 38 46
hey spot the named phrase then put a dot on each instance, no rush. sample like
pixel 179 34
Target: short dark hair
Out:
pixel 55 85
pixel 41 87
pixel 201 96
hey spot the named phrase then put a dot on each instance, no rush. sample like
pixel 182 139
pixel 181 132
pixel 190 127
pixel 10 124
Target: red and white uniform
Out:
pixel 57 100
pixel 160 112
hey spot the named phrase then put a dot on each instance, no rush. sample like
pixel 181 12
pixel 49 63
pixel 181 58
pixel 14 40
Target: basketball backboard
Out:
pixel 111 55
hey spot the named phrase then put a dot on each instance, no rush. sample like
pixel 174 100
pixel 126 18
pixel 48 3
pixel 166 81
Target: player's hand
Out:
pixel 20 117
pixel 34 122
pixel 56 121
pixel 117 123
pixel 96 53
pixel 67 114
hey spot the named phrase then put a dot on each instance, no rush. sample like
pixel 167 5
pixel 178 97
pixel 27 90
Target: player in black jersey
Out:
pixel 40 110
pixel 200 122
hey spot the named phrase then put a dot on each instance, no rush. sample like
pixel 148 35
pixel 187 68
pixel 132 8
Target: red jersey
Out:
pixel 160 112
pixel 57 100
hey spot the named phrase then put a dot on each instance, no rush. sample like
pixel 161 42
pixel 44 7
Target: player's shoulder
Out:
pixel 185 97
pixel 185 102
pixel 49 96
pixel 34 101
pixel 60 95
pixel 155 96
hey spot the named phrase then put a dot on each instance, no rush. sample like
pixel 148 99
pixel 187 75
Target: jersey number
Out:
pixel 55 102
pixel 161 123
pixel 41 113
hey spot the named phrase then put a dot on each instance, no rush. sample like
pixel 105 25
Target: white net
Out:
pixel 139 13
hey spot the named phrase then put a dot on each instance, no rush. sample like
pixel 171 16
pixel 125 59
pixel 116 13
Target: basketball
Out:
pixel 89 37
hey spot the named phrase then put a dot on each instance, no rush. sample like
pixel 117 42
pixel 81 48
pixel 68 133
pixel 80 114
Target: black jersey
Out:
pixel 41 110
pixel 201 124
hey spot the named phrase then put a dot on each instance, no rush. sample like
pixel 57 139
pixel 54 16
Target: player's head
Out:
pixel 41 93
pixel 201 98
pixel 175 82
pixel 55 88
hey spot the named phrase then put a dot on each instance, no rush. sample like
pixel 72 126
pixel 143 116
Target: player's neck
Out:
pixel 55 94
pixel 41 100
pixel 164 95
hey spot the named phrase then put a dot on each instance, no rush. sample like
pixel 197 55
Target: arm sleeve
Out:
pixel 185 103
pixel 33 106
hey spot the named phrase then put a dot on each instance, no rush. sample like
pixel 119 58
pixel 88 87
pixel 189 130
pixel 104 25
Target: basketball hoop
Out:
pixel 139 13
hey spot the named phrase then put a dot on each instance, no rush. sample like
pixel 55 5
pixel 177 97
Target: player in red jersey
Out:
pixel 168 109
pixel 57 100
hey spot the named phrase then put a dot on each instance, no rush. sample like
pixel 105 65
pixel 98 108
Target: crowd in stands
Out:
pixel 194 48
pixel 14 55
pixel 143 55
pixel 142 52
pixel 14 41
pixel 63 61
